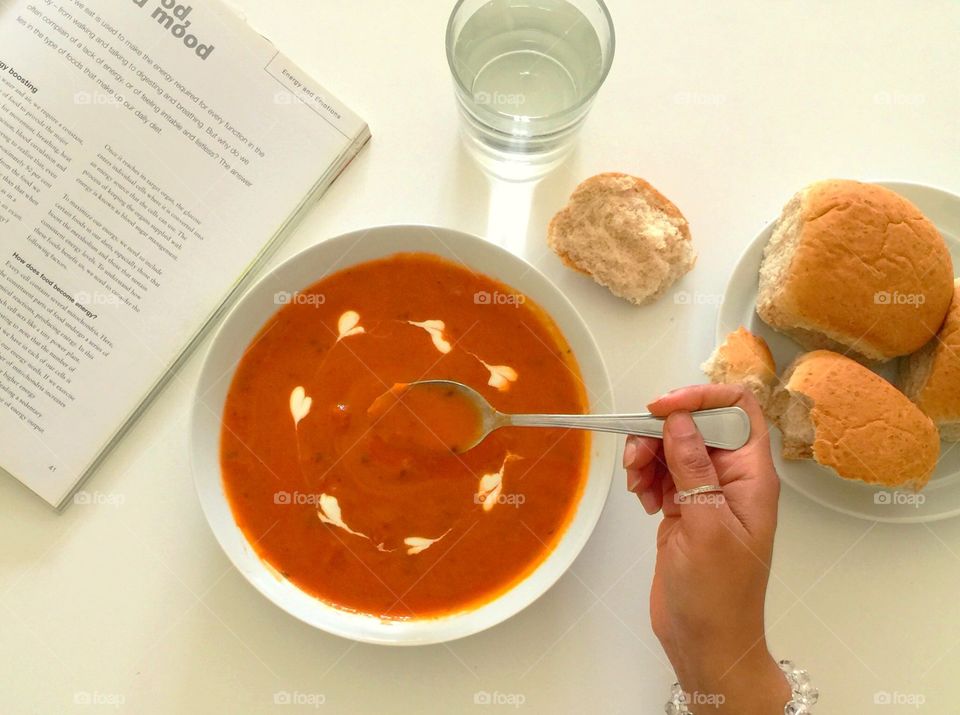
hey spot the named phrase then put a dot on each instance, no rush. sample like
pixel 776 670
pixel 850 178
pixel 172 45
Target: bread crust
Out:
pixel 855 265
pixel 931 377
pixel 625 234
pixel 864 428
pixel 745 359
pixel 747 353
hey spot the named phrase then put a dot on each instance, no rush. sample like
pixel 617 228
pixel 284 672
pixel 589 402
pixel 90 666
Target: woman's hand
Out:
pixel 713 552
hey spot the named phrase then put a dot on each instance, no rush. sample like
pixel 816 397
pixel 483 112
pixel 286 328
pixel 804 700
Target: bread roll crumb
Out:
pixel 625 234
pixel 931 377
pixel 744 359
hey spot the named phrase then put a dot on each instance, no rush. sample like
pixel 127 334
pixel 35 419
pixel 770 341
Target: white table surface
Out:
pixel 728 108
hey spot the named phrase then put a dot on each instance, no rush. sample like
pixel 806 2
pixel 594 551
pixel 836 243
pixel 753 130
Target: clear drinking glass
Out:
pixel 526 73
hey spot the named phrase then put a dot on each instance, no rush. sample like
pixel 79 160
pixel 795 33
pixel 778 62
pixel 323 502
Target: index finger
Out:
pixel 708 397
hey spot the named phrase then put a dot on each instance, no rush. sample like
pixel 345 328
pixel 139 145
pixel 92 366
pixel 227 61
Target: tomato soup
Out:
pixel 427 415
pixel 350 504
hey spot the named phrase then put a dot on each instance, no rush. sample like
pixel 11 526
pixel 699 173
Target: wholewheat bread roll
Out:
pixel 834 410
pixel 855 268
pixel 931 377
pixel 625 234
pixel 744 359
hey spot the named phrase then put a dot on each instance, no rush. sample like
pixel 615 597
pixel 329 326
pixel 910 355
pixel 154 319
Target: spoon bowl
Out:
pixel 721 428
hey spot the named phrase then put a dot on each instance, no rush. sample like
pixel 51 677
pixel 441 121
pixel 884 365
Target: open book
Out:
pixel 151 155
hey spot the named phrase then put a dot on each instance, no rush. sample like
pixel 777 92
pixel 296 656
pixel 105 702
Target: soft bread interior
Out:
pixel 718 369
pixel 748 368
pixel 625 235
pixel 639 266
pixel 916 370
pixel 774 270
pixel 777 256
pixel 931 376
pixel 950 431
pixel 791 413
pixel 811 340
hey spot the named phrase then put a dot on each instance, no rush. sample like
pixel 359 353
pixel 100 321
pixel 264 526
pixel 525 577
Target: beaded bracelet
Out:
pixel 804 695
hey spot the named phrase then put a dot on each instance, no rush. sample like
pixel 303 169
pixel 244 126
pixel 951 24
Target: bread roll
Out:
pixel 931 377
pixel 625 234
pixel 846 417
pixel 744 359
pixel 855 267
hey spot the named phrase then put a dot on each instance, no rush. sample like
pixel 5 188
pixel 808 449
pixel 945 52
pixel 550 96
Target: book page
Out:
pixel 149 150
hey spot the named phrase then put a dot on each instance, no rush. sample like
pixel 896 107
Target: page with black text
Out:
pixel 149 152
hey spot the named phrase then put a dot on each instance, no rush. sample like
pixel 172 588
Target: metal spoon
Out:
pixel 724 427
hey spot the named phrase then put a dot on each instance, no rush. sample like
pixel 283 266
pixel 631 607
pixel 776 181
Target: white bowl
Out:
pixel 306 268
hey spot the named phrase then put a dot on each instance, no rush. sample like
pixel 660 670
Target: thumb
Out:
pixel 687 456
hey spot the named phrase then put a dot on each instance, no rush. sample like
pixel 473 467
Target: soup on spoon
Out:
pixel 426 416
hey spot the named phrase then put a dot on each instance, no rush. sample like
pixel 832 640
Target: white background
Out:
pixel 728 108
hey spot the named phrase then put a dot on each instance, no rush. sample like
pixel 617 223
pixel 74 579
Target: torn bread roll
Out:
pixel 625 234
pixel 931 377
pixel 744 359
pixel 834 410
pixel 856 268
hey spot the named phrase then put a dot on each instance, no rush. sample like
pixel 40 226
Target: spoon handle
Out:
pixel 724 427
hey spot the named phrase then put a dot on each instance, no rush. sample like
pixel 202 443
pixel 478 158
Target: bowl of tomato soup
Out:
pixel 349 503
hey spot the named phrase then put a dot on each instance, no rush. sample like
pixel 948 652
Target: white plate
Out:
pixel 940 499
pixel 306 268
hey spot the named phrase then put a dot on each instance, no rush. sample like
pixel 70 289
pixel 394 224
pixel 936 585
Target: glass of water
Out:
pixel 526 73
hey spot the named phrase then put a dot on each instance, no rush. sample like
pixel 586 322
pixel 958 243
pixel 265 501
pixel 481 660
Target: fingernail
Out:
pixel 662 397
pixel 647 500
pixel 629 453
pixel 633 480
pixel 667 393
